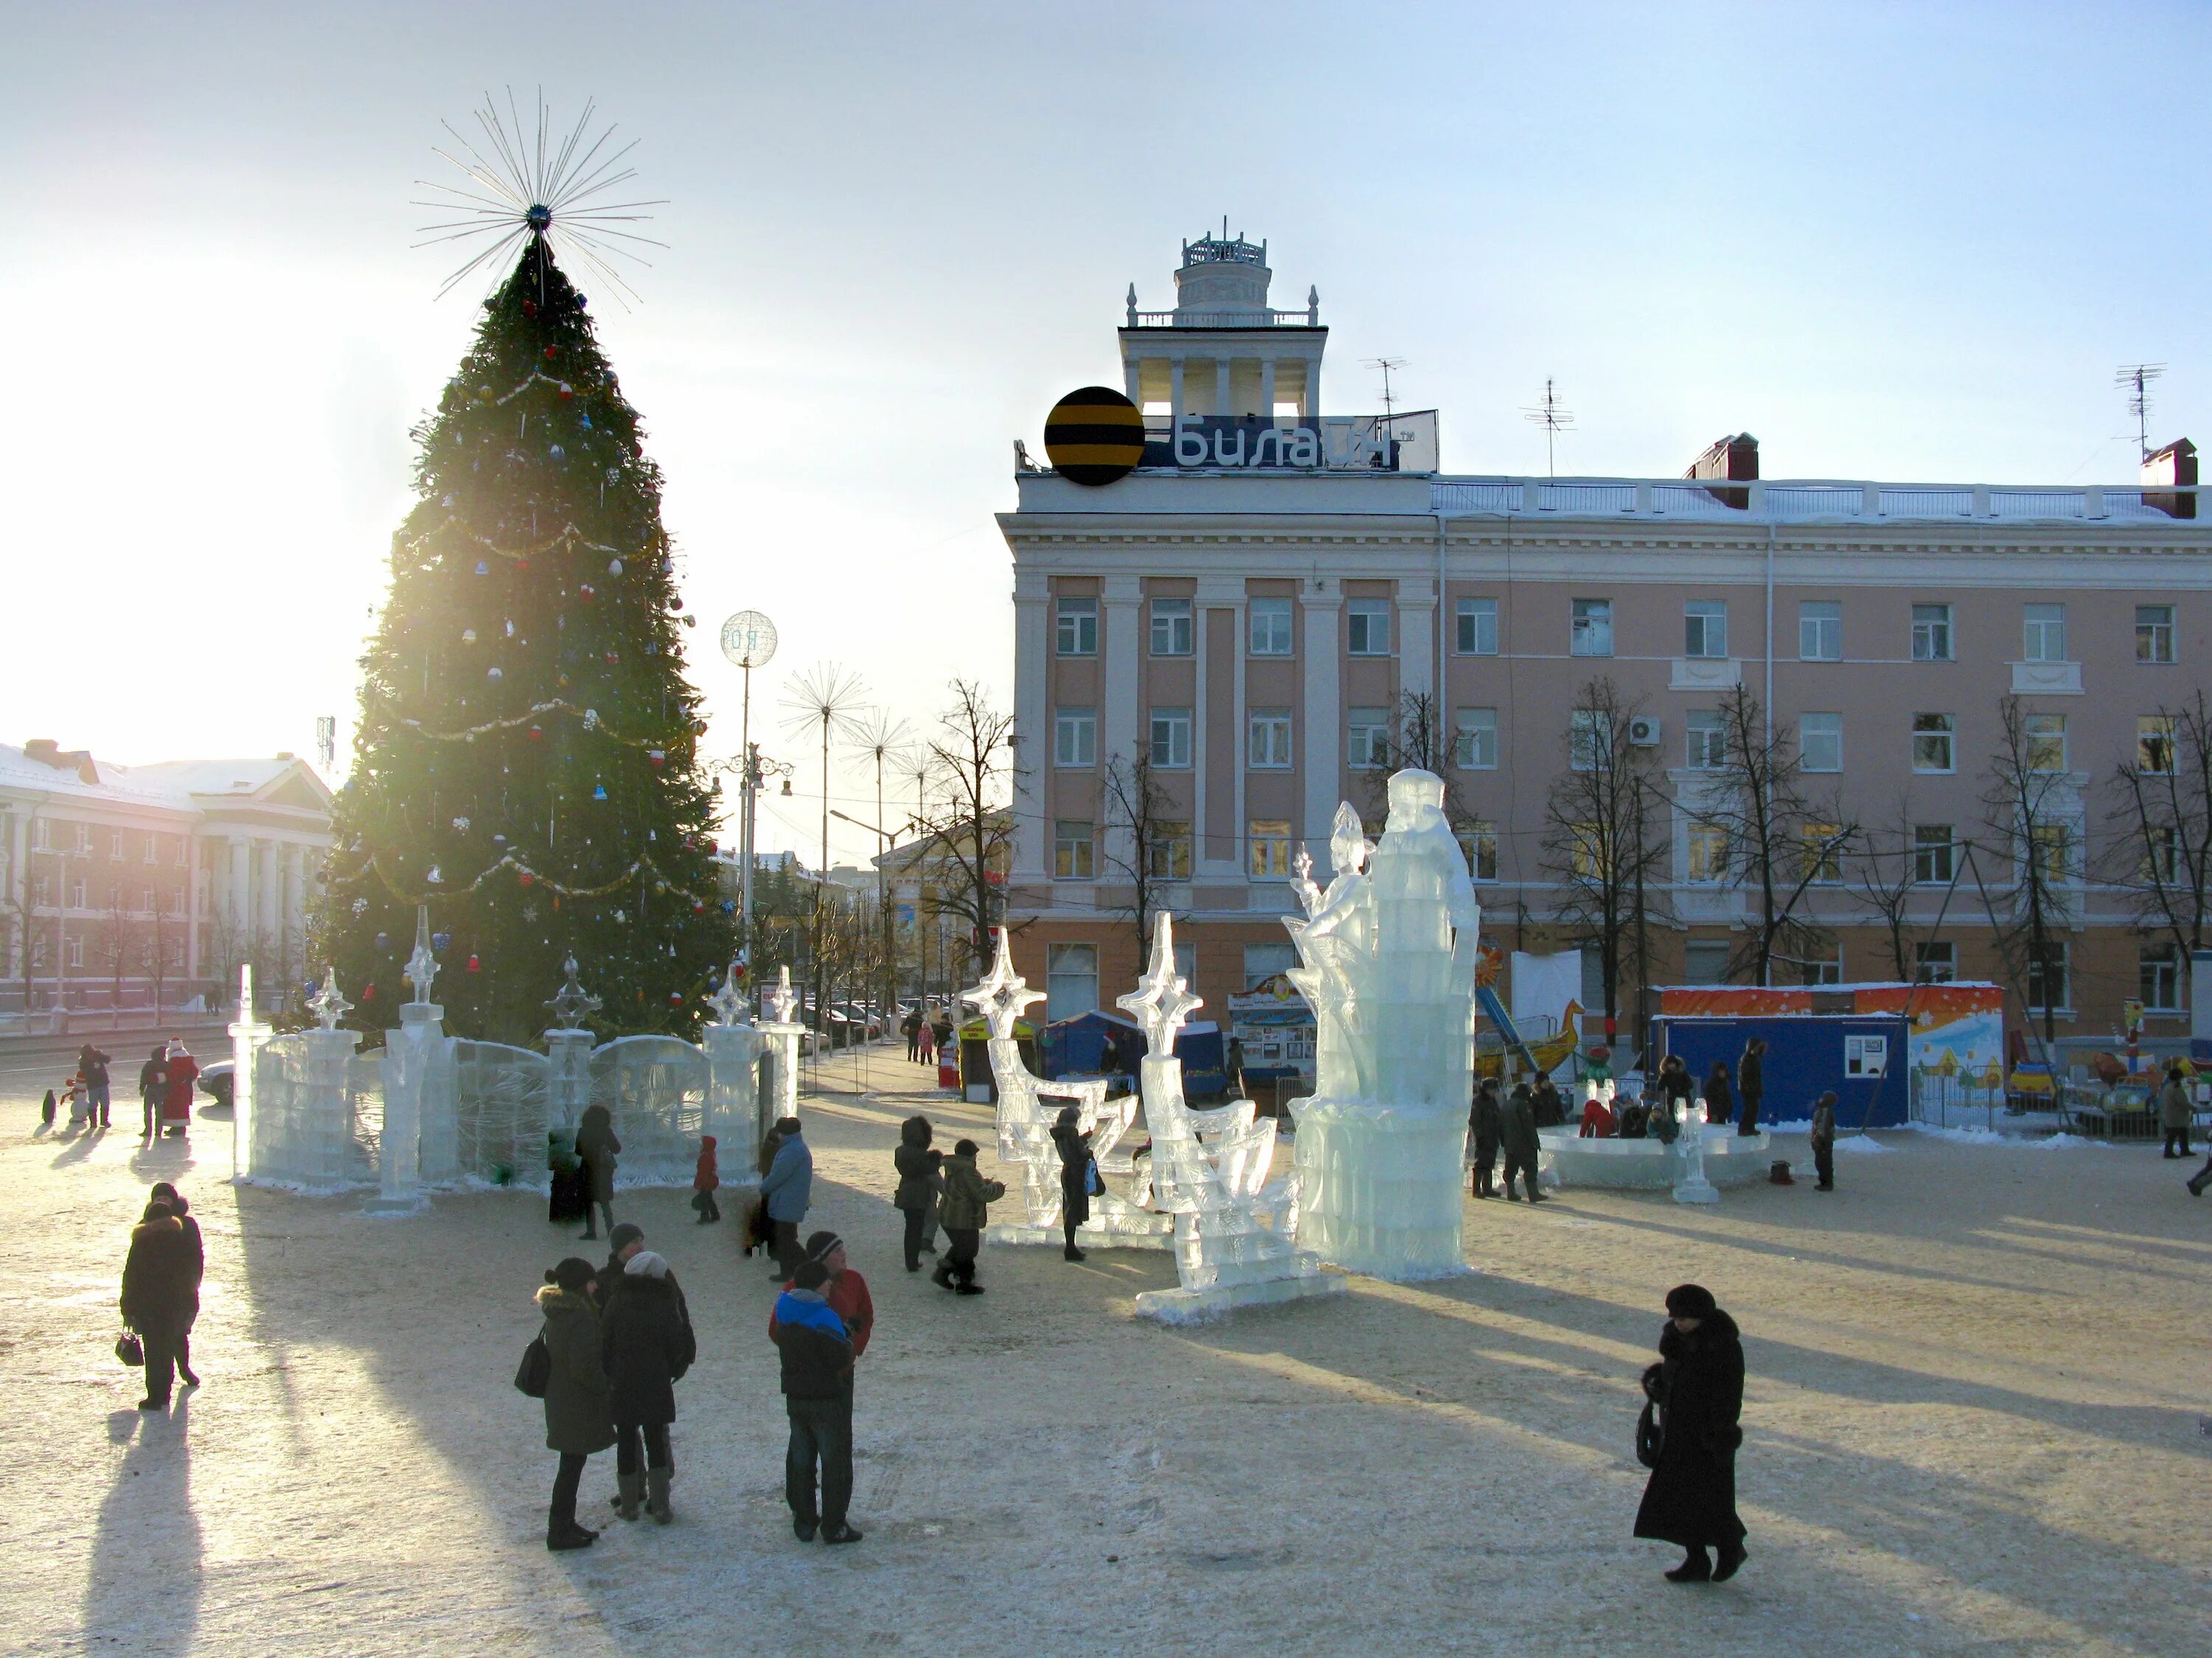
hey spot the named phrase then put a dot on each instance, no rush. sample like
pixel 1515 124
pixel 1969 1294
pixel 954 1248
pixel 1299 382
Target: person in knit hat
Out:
pixel 815 1351
pixel 1698 1386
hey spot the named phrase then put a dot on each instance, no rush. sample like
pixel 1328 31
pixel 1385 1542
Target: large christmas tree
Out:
pixel 526 760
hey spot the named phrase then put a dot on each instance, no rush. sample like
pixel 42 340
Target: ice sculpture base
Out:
pixel 1088 1236
pixel 1200 1306
pixel 1699 1190
pixel 413 1205
pixel 1650 1165
pixel 1381 1189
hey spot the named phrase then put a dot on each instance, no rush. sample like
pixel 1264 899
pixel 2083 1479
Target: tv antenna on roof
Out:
pixel 1386 364
pixel 1554 420
pixel 2134 379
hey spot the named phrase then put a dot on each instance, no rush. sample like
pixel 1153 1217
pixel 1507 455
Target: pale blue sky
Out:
pixel 1894 241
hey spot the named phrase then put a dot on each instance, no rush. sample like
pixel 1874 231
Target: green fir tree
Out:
pixel 526 761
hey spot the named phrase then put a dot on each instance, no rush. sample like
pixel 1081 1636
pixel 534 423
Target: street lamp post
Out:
pixel 749 640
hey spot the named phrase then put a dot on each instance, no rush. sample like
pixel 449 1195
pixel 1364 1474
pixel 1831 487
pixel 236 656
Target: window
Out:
pixel 1167 853
pixel 1823 969
pixel 1476 748
pixel 1187 962
pixel 146 904
pixel 2155 743
pixel 1931 742
pixel 41 834
pixel 184 850
pixel 2158 978
pixel 1935 963
pixel 76 894
pixel 2051 846
pixel 76 952
pixel 1171 739
pixel 115 845
pixel 2161 859
pixel 1705 628
pixel 2153 633
pixel 1269 838
pixel 152 846
pixel 1367 737
pixel 1592 633
pixel 1820 742
pixel 1075 737
pixel 1477 841
pixel 1270 627
pixel 1705 961
pixel 1070 979
pixel 1706 742
pixel 41 893
pixel 1077 630
pixel 1368 622
pixel 1819 630
pixel 1073 853
pixel 1589 740
pixel 2047 977
pixel 1172 627
pixel 82 841
pixel 2046 742
pixel 2043 629
pixel 1821 845
pixel 1931 855
pixel 1477 626
pixel 1931 633
pixel 1263 962
pixel 1269 738
pixel 1708 855
pixel 1587 855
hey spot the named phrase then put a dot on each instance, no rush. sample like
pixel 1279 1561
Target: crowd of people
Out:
pixel 166 1083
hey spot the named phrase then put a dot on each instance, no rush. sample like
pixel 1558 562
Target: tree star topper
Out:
pixel 524 185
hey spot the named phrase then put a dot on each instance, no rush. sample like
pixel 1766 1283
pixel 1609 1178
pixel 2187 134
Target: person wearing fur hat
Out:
pixel 160 1296
pixel 163 1194
pixel 1077 1170
pixel 1698 1386
pixel 578 1400
pixel 967 1200
pixel 647 1344
pixel 815 1352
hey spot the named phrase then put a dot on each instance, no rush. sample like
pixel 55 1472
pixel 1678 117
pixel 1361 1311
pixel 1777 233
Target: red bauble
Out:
pixel 530 307
pixel 550 354
pixel 473 966
pixel 698 905
pixel 525 877
pixel 368 992
pixel 676 999
pixel 588 590
pixel 567 391
pixel 659 756
pixel 614 656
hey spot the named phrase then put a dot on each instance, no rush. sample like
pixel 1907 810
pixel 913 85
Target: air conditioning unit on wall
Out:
pixel 1643 731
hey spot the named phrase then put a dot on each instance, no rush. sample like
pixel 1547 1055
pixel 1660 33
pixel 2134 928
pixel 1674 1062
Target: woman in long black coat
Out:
pixel 1075 1166
pixel 1697 1385
pixel 647 1341
pixel 597 1147
pixel 1720 1094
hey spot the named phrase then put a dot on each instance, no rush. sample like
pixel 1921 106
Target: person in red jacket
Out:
pixel 847 1291
pixel 846 1294
pixel 704 1180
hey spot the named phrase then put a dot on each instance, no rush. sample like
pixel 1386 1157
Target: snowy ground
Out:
pixel 1976 1423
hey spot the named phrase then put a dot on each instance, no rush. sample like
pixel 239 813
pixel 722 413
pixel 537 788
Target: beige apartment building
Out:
pixel 1250 615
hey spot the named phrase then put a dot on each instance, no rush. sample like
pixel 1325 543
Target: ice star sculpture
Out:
pixel 729 1002
pixel 1210 1170
pixel 421 964
pixel 572 1004
pixel 1026 1120
pixel 783 1000
pixel 330 1006
pixel 1390 958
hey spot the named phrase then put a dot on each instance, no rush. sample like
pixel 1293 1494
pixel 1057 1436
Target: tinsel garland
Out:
pixel 509 860
pixel 593 721
pixel 567 532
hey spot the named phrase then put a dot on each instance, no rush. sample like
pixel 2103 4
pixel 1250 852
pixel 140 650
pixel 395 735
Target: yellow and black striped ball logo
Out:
pixel 1095 435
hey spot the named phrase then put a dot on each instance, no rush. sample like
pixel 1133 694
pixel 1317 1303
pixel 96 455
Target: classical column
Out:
pixel 1175 386
pixel 292 914
pixel 1218 742
pixel 1268 389
pixel 1323 714
pixel 269 922
pixel 240 889
pixel 18 892
pixel 1417 640
pixel 1032 719
pixel 191 901
pixel 1122 618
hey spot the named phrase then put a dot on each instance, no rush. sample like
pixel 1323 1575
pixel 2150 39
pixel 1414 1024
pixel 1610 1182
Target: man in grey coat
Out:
pixel 1520 1142
pixel 785 1191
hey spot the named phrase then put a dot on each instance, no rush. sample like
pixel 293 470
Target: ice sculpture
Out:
pixel 1389 960
pixel 1233 1225
pixel 1694 1186
pixel 247 1037
pixel 1026 1127
pixel 734 1044
pixel 417 1142
pixel 782 1033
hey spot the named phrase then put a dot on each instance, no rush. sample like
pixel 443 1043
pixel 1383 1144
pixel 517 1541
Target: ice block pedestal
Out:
pixel 1379 1190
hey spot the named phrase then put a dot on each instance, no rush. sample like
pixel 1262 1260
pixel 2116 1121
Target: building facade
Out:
pixel 1264 630
pixel 125 886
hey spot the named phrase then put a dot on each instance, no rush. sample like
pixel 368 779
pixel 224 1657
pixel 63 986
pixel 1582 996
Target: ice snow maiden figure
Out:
pixel 578 1400
pixel 1698 1386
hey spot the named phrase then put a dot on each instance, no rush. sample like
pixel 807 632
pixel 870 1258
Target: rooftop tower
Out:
pixel 1223 350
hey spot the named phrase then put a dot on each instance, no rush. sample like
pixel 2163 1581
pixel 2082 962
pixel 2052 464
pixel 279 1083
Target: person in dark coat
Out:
pixel 599 1150
pixel 1486 1121
pixel 1720 1094
pixel 815 1352
pixel 160 1296
pixel 1545 1105
pixel 785 1192
pixel 647 1344
pixel 910 1027
pixel 578 1400
pixel 92 1064
pixel 1078 1168
pixel 152 1080
pixel 163 1193
pixel 1517 1133
pixel 919 1187
pixel 967 1200
pixel 2175 1113
pixel 1750 1083
pixel 1675 1085
pixel 1697 1385
pixel 1823 1138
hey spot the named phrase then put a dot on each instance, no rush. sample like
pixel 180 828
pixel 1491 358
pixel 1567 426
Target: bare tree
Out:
pixel 1598 841
pixel 1884 878
pixel 970 828
pixel 2161 848
pixel 1419 741
pixel 1780 843
pixel 1144 847
pixel 2030 808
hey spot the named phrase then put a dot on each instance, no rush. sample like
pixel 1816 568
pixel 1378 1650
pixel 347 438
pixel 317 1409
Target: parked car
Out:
pixel 216 1080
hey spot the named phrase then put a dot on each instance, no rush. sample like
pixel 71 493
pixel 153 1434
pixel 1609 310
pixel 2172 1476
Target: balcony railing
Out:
pixel 1309 317
pixel 1810 501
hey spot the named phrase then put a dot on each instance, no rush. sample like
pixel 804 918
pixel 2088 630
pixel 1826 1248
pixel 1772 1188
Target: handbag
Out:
pixel 536 1370
pixel 1093 1183
pixel 130 1349
pixel 1650 1436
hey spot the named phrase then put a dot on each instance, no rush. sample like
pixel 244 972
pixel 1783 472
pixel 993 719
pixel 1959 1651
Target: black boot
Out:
pixel 1696 1568
pixel 1731 1558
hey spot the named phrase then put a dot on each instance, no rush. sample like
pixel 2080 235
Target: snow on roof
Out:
pixel 178 785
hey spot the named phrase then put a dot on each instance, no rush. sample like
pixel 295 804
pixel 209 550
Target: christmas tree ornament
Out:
pixel 492 674
pixel 567 391
pixel 440 940
pixel 368 992
pixel 473 965
pixel 557 453
pixel 483 568
pixel 729 907
pixel 620 917
pixel 613 657
pixel 530 307
pixel 525 877
pixel 659 756
pixel 614 566
pixel 690 621
pixel 587 420
pixel 676 999
pixel 384 941
pixel 537 734
pixel 588 590
pixel 433 878
pixel 360 906
pixel 551 352
pixel 591 719
pixel 461 824
pixel 499 840
pixel 468 635
pixel 598 791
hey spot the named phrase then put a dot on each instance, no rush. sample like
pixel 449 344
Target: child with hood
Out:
pixel 704 1180
pixel 920 1187
pixel 968 1198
